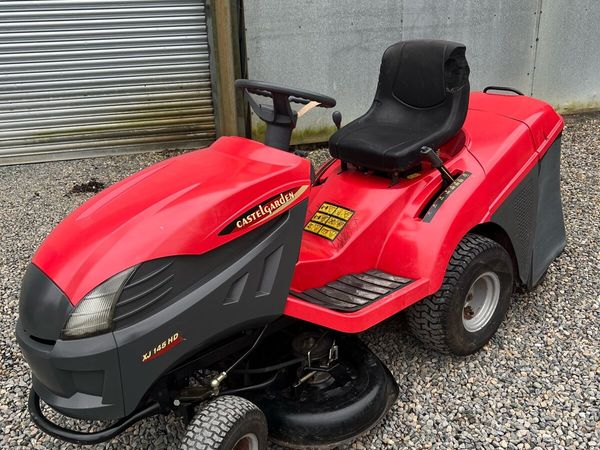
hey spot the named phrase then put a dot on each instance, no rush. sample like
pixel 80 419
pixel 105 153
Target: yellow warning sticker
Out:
pixel 328 233
pixel 313 227
pixel 329 220
pixel 343 213
pixel 320 217
pixel 328 208
pixel 335 223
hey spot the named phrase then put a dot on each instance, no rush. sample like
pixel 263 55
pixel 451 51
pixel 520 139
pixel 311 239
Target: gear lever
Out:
pixel 437 163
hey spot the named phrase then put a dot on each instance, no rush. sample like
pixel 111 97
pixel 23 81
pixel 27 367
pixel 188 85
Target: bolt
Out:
pixel 468 313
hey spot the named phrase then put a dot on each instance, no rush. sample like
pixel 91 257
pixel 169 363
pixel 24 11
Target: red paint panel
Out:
pixel 175 207
pixel 539 116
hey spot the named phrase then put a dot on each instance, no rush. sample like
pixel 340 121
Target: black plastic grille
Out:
pixel 524 210
pixel 353 292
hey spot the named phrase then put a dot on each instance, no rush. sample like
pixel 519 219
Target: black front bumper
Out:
pixel 79 378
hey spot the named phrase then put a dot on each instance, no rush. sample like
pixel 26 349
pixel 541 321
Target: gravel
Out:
pixel 535 386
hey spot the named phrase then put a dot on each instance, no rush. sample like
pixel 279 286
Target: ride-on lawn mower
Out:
pixel 226 284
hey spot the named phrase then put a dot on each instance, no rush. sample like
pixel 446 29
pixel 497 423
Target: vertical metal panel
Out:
pixel 567 68
pixel 336 47
pixel 87 77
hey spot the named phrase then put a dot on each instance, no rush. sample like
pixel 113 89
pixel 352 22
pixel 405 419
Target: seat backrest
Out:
pixel 423 88
pixel 423 73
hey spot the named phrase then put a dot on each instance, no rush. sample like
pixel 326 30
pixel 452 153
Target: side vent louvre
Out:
pixel 267 280
pixel 436 202
pixel 236 290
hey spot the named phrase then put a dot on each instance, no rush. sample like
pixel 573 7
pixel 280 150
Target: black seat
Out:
pixel 421 100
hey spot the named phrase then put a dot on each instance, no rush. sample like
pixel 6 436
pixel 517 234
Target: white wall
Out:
pixel 335 47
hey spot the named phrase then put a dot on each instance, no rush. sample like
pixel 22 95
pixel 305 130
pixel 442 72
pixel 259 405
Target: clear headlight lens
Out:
pixel 94 312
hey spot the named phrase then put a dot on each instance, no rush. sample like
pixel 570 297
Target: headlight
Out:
pixel 94 312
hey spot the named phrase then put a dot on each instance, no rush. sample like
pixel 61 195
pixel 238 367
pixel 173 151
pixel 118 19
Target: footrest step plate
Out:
pixel 355 291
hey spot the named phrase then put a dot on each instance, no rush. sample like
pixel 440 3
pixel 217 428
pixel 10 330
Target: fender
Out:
pixel 497 144
pixel 391 217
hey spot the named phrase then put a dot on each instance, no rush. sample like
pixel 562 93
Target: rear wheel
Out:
pixel 227 423
pixel 471 303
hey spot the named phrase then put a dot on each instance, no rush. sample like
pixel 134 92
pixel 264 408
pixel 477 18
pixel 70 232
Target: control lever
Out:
pixel 437 163
pixel 337 119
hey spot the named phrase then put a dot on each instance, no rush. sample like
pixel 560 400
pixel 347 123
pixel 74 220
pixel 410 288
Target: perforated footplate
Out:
pixel 353 292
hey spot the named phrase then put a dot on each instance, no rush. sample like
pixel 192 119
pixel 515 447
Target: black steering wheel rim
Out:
pixel 294 95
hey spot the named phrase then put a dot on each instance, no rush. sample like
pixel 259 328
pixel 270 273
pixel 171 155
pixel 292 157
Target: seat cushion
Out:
pixel 378 146
pixel 421 100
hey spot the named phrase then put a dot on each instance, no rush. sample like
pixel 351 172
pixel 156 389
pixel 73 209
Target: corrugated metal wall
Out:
pixel 84 77
pixel 545 47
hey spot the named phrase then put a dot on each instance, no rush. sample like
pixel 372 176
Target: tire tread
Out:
pixel 214 420
pixel 427 319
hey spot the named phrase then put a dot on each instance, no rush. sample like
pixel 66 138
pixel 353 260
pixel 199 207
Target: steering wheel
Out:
pixel 280 117
pixel 278 93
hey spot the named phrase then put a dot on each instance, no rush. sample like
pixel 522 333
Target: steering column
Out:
pixel 280 117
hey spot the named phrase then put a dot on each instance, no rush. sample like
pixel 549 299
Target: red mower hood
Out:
pixel 189 204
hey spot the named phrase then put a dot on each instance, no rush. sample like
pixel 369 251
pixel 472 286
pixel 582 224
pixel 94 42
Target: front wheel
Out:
pixel 227 423
pixel 467 310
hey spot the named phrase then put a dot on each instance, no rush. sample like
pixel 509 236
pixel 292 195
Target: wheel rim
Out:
pixel 247 442
pixel 481 301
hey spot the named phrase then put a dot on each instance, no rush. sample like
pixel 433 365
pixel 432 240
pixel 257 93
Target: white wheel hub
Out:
pixel 481 301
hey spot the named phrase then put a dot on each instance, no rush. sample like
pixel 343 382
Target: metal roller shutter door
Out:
pixel 89 77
